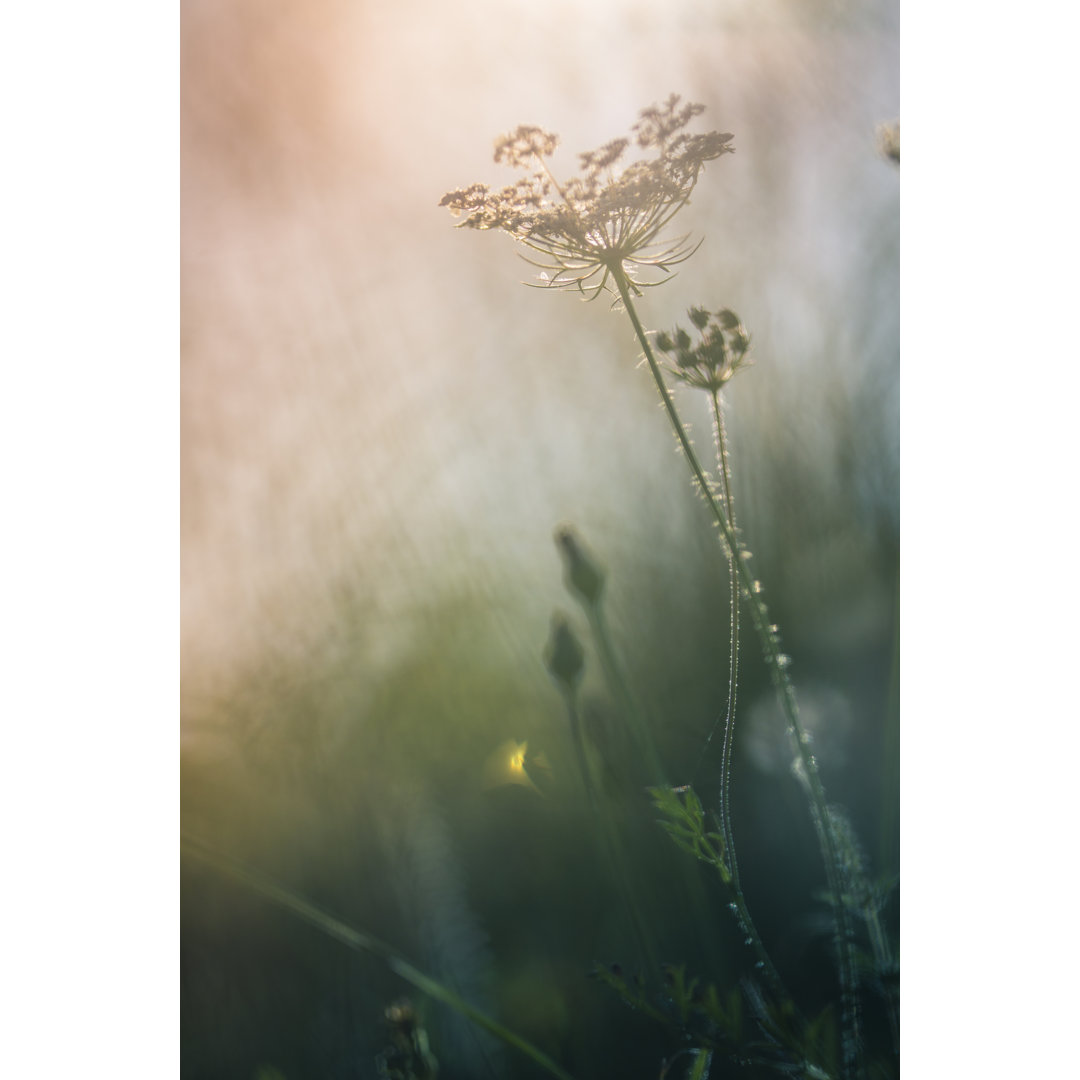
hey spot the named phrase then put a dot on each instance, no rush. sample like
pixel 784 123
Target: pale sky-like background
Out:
pixel 369 395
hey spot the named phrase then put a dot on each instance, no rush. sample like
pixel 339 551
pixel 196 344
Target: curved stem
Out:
pixel 733 663
pixel 777 663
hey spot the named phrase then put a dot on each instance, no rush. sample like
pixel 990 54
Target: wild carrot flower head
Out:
pixel 608 220
pixel 720 352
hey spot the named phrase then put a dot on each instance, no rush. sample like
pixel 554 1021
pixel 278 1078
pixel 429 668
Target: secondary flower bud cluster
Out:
pixel 720 351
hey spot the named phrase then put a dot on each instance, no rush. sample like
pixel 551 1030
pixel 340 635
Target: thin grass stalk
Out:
pixel 620 688
pixel 619 684
pixel 609 840
pixel 700 1069
pixel 777 664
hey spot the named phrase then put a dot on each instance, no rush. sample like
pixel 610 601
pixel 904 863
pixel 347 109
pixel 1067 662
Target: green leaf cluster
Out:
pixel 683 819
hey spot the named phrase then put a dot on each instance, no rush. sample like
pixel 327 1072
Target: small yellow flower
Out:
pixel 506 765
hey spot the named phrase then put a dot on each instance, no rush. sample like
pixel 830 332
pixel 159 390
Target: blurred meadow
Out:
pixel 381 430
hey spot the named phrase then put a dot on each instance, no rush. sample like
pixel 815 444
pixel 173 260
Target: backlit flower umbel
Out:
pixel 607 221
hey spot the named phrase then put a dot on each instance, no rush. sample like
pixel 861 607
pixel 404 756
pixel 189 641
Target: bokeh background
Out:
pixel 381 429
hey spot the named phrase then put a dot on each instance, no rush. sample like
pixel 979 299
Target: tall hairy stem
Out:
pixel 733 653
pixel 777 663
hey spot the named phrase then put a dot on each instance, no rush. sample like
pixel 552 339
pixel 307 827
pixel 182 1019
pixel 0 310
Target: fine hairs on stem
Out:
pixel 776 660
pixel 604 231
pixel 733 636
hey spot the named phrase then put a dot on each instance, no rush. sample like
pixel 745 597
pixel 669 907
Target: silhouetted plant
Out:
pixel 605 231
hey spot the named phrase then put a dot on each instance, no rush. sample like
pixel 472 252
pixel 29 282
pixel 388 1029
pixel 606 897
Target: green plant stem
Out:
pixel 723 863
pixel 620 688
pixel 777 664
pixel 609 839
pixel 700 1069
pixel 641 732
pixel 365 943
pixel 578 739
pixel 726 826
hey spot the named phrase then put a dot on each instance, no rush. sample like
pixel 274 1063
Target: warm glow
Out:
pixel 506 765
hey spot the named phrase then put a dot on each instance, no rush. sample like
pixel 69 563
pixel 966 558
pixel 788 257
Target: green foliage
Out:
pixel 630 989
pixel 699 1014
pixel 683 819
pixel 408 1055
pixel 691 1010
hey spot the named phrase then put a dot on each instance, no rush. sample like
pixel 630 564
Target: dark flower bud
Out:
pixel 663 341
pixel 682 339
pixel 686 359
pixel 713 353
pixel 563 655
pixel 739 342
pixel 728 319
pixel 699 317
pixel 583 577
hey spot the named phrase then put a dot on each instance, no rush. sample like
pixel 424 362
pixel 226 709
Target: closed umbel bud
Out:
pixel 739 342
pixel 583 577
pixel 699 317
pixel 563 655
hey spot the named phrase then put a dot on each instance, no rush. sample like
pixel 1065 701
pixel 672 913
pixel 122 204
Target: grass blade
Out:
pixel 365 943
